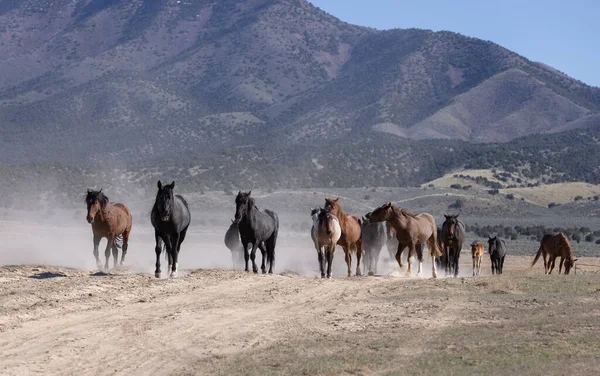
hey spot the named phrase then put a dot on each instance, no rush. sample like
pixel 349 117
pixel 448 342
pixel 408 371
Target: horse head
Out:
pixel 331 204
pixel 96 201
pixel 569 263
pixel 450 224
pixel 243 203
pixel 165 200
pixel 381 214
pixel 492 246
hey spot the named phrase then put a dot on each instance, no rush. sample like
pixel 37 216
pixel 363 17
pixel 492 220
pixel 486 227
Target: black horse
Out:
pixel 170 218
pixel 373 239
pixel 497 250
pixel 232 241
pixel 452 238
pixel 258 228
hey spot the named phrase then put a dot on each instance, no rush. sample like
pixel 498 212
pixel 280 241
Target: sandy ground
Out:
pixel 73 319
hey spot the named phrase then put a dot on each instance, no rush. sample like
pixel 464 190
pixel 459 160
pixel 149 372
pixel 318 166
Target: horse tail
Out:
pixel 119 241
pixel 537 256
pixel 272 241
pixel 434 246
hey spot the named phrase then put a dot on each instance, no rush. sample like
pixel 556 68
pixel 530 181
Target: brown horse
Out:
pixel 477 251
pixel 110 221
pixel 412 231
pixel 555 245
pixel 351 233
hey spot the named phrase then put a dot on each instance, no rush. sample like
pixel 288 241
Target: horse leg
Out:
pixel 399 255
pixel 96 253
pixel 329 254
pixel 125 246
pixel 553 260
pixel 109 243
pixel 115 252
pixel 375 261
pixel 263 253
pixel 474 265
pixel 411 251
pixel 157 250
pixel 321 257
pixel 174 254
pixel 419 250
pixel 358 245
pixel 502 264
pixel 253 257
pixel 246 257
pixel 367 262
pixel 457 261
pixel 348 258
pixel 560 264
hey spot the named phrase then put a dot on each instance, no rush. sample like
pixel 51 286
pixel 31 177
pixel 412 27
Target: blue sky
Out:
pixel 564 34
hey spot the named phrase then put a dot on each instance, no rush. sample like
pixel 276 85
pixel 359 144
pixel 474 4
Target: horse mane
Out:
pixel 93 196
pixel 403 212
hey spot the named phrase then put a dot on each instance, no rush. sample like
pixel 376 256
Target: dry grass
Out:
pixel 560 193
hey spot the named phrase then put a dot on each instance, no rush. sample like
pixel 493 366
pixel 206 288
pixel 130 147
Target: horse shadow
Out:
pixel 47 275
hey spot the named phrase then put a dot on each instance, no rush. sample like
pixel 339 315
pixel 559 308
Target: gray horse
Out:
pixel 373 239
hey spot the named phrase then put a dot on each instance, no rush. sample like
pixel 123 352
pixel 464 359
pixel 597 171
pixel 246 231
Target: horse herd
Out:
pixel 388 225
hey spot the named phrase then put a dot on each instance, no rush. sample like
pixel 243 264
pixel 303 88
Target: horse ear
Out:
pixel 456 216
pixel 159 184
pixel 100 191
pixel 389 204
pixel 249 192
pixel 232 221
pixel 172 185
pixel 337 199
pixel 446 216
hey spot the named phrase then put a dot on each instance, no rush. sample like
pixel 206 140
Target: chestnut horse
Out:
pixel 325 233
pixel 412 231
pixel 110 221
pixel 555 245
pixel 351 233
pixel 477 251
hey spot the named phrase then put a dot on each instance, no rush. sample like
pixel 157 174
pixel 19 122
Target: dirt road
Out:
pixel 67 321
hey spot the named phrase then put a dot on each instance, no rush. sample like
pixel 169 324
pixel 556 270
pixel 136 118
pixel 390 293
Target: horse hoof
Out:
pixel 264 272
pixel 157 275
pixel 329 276
pixel 173 274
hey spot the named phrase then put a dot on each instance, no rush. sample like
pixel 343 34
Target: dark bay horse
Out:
pixel 170 218
pixel 497 250
pixel 259 228
pixel 452 238
pixel 232 241
pixel 325 233
pixel 373 238
pixel 110 221
pixel 351 233
pixel 555 245
pixel 412 231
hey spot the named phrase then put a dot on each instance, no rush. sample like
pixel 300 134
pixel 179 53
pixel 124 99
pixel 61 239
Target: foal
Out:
pixel 477 251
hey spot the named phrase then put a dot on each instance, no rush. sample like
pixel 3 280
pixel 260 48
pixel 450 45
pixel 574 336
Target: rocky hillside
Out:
pixel 131 80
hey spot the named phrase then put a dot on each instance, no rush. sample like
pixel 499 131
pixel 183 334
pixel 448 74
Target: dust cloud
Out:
pixel 64 239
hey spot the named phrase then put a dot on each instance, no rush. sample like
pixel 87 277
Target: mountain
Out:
pixel 269 94
pixel 85 79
